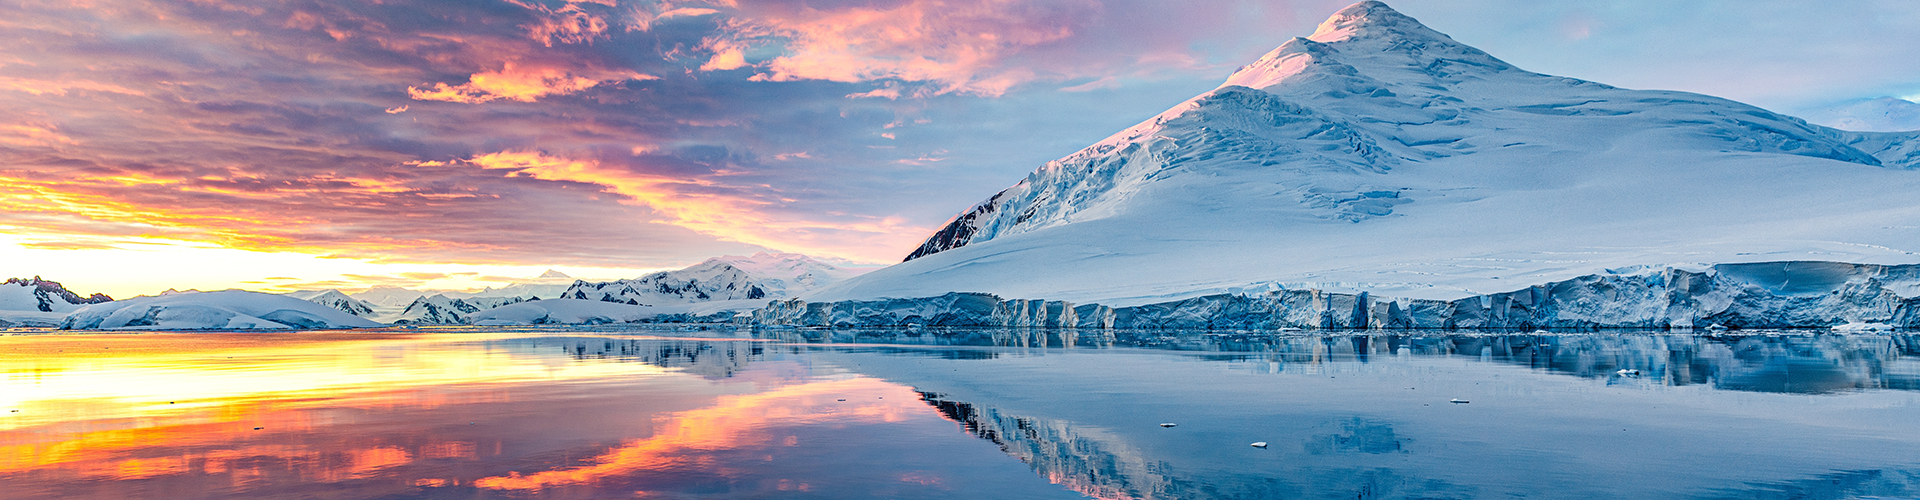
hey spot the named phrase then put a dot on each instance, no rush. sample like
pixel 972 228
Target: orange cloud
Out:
pixel 519 84
pixel 60 87
pixel 712 207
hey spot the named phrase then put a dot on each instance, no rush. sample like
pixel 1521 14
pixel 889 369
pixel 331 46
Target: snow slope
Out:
pixel 440 309
pixel 732 277
pixel 38 295
pixel 787 273
pixel 222 310
pixel 337 300
pixel 1880 114
pixel 1381 156
pixel 702 282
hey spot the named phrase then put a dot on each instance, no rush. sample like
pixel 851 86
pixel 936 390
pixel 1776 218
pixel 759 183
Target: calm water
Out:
pixel 956 414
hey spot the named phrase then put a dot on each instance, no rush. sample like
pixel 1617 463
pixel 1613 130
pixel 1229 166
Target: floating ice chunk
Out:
pixel 1260 444
pixel 1457 401
pixel 1168 424
pixel 1628 373
pixel 1863 327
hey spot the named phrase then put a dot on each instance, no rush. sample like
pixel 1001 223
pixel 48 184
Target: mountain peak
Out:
pixel 1369 19
pixel 552 274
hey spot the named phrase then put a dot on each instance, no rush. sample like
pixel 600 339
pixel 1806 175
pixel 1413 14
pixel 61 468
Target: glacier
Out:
pixel 221 310
pixel 1378 163
pixel 1846 297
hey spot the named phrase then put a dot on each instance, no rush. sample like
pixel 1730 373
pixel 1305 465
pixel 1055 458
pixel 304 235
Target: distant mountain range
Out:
pixel 759 276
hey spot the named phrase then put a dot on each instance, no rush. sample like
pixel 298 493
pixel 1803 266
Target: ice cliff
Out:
pixel 1748 295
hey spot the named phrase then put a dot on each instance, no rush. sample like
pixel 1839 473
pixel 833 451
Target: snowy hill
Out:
pixel 1380 156
pixel 337 300
pixel 761 275
pixel 1882 114
pixel 39 303
pixel 223 310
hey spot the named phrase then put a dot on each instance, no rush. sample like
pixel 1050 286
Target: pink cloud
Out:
pixel 519 84
pixel 960 47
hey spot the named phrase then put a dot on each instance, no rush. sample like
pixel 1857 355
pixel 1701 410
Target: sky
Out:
pixel 283 144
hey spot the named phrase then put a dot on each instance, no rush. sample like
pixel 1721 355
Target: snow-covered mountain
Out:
pixel 1880 114
pixel 39 303
pixel 787 273
pixel 440 309
pixel 222 310
pixel 387 296
pixel 36 294
pixel 707 281
pixel 548 285
pixel 337 300
pixel 732 277
pixel 1381 156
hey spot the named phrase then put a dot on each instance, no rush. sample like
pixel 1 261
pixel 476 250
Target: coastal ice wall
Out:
pixel 1758 295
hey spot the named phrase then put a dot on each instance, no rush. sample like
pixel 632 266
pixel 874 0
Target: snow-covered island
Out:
pixel 1379 174
pixel 1375 174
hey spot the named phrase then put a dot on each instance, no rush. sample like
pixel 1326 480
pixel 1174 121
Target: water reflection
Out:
pixel 990 413
pixel 1371 417
pixel 1801 363
pixel 466 415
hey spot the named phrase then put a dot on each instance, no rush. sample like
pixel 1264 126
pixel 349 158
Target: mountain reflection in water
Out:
pixel 383 415
pixel 988 413
pixel 1795 362
pixel 1371 415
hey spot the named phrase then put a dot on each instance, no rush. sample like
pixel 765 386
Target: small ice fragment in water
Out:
pixel 1457 401
pixel 258 428
pixel 843 400
pixel 1628 373
pixel 1168 424
pixel 1260 444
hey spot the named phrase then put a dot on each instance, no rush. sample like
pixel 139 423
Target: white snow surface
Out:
pixel 25 295
pixel 1880 114
pixel 732 277
pixel 574 311
pixel 337 300
pixel 10 318
pixel 222 310
pixel 1382 156
pixel 789 272
pixel 20 297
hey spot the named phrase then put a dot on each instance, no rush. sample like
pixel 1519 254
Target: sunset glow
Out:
pixel 220 144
